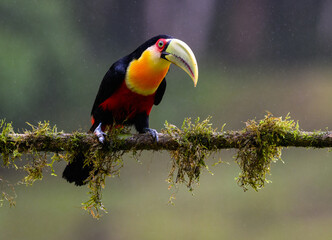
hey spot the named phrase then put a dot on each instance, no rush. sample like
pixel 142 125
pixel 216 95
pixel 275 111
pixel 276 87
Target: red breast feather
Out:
pixel 125 104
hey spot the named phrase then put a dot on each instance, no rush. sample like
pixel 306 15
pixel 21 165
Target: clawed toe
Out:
pixel 153 133
pixel 99 133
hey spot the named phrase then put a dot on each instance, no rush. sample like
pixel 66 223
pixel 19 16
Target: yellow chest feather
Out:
pixel 145 74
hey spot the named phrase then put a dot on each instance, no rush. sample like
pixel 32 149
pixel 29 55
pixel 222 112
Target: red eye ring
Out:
pixel 161 44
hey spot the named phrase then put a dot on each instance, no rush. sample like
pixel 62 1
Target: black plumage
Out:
pixel 75 171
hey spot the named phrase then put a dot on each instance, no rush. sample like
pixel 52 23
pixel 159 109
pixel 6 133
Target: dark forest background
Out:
pixel 253 56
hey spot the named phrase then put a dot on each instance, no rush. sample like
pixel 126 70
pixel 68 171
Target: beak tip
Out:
pixel 195 81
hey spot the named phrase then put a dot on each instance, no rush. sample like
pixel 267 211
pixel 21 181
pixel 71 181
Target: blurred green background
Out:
pixel 253 56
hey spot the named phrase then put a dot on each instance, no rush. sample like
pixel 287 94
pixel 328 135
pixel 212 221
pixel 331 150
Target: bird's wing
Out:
pixel 110 83
pixel 160 92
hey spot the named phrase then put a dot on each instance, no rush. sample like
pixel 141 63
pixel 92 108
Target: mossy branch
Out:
pixel 62 142
pixel 259 144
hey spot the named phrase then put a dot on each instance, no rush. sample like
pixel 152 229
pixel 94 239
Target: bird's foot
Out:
pixel 99 133
pixel 152 132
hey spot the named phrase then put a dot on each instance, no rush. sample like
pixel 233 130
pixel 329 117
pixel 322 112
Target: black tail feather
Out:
pixel 76 172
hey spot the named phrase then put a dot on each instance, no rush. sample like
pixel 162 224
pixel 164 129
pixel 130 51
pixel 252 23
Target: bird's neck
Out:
pixel 145 74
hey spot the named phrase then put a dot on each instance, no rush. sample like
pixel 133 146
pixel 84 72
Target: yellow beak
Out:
pixel 179 53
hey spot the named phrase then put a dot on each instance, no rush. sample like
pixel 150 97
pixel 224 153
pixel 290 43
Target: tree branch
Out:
pixel 259 144
pixel 58 142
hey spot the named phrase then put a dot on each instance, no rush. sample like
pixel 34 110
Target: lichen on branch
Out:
pixel 261 147
pixel 194 148
pixel 259 144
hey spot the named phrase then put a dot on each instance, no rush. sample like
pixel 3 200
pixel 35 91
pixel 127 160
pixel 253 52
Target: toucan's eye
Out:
pixel 161 44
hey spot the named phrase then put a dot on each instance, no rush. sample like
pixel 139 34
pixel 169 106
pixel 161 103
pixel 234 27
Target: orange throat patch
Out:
pixel 145 74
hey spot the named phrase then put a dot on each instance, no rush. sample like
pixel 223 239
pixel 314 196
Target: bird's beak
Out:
pixel 179 53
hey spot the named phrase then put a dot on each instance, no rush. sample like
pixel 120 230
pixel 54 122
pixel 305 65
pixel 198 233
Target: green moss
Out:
pixel 189 159
pixel 260 148
pixel 107 161
pixel 7 193
pixel 36 161
pixel 106 158
pixel 8 155
pixel 7 148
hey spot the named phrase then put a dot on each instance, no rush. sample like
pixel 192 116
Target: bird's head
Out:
pixel 151 61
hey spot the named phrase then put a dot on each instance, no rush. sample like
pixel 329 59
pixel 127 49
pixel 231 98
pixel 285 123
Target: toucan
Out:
pixel 130 88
